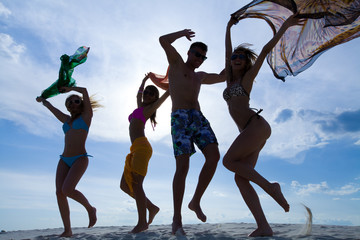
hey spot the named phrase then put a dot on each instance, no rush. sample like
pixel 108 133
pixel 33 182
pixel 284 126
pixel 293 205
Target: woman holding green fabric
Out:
pixel 242 66
pixel 74 159
pixel 137 160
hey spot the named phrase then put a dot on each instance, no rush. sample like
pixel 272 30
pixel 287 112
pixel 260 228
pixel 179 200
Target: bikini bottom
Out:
pixel 70 160
pixel 257 114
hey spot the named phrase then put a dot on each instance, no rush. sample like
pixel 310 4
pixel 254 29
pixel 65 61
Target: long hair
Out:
pixel 250 54
pixel 93 102
pixel 154 90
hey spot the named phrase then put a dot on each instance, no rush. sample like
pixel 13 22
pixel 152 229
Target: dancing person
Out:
pixel 242 66
pixel 188 125
pixel 137 160
pixel 74 159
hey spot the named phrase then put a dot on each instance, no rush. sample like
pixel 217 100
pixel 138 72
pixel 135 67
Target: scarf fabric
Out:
pixel 328 23
pixel 68 63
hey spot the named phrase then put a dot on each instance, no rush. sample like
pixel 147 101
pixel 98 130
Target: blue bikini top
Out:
pixel 76 124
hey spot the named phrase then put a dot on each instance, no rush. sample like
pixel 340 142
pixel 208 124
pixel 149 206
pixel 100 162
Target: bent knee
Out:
pixel 230 163
pixel 59 193
pixel 64 192
pixel 227 161
pixel 212 158
pixel 240 179
pixel 215 157
pixel 67 191
pixel 241 182
pixel 212 161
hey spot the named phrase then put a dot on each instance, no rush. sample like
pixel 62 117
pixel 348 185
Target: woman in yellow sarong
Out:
pixel 137 160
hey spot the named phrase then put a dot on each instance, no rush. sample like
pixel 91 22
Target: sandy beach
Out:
pixel 223 231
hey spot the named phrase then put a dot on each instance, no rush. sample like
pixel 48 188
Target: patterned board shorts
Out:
pixel 189 126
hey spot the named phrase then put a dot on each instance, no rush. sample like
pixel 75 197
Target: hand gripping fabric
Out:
pixel 162 81
pixel 68 63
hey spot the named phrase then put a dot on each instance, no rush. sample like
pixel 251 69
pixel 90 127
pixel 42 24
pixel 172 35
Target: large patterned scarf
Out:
pixel 328 23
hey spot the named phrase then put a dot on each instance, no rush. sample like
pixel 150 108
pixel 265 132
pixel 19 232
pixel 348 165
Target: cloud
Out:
pixel 333 123
pixel 323 188
pixel 219 194
pixel 4 11
pixel 9 48
pixel 284 116
pixel 309 188
pixel 296 131
pixel 345 190
pixel 19 85
pixel 292 135
pixel 347 121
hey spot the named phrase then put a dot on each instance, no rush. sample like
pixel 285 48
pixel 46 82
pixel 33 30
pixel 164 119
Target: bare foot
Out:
pixel 92 217
pixel 152 212
pixel 198 211
pixel 66 234
pixel 140 228
pixel 177 229
pixel 266 232
pixel 279 197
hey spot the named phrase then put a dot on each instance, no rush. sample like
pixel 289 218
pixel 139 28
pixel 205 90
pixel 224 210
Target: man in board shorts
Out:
pixel 188 125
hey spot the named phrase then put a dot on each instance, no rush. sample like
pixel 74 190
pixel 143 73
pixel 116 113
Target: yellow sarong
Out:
pixel 137 160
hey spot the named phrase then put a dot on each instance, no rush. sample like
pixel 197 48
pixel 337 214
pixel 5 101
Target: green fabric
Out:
pixel 68 63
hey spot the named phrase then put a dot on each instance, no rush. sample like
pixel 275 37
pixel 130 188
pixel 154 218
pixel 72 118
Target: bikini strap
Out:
pixel 258 111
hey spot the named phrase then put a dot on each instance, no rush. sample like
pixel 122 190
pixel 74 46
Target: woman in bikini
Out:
pixel 74 159
pixel 241 67
pixel 137 160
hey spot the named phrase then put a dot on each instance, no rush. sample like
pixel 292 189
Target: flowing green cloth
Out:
pixel 68 63
pixel 328 23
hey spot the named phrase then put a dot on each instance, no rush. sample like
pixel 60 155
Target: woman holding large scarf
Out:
pixel 242 66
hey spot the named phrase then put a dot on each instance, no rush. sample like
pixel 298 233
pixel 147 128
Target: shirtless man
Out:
pixel 188 125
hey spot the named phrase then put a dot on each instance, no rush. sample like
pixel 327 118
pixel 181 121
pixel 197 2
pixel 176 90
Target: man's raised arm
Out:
pixel 166 40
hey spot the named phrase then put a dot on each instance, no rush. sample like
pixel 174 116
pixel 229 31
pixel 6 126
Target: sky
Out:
pixel 313 151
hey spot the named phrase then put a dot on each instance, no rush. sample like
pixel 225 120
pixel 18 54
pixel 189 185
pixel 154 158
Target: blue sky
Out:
pixel 313 151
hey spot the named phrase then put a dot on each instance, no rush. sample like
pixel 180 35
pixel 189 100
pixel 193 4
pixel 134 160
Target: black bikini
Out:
pixel 234 90
pixel 238 90
pixel 257 114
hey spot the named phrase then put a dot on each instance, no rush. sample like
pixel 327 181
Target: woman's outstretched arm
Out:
pixel 62 117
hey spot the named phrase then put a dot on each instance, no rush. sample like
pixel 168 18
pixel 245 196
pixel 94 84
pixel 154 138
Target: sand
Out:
pixel 221 231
